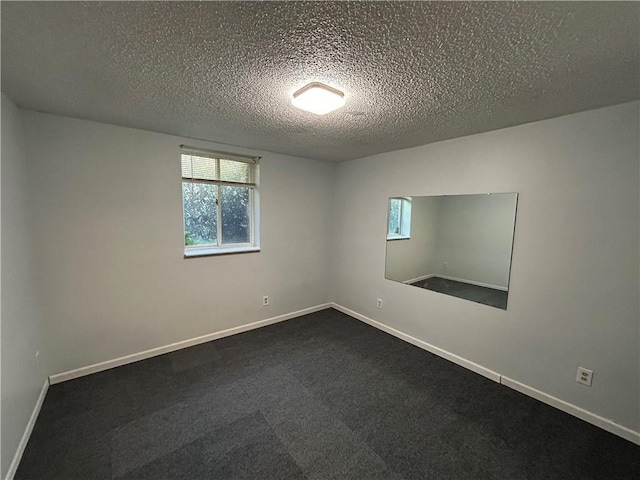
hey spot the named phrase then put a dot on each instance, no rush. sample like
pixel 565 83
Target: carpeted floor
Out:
pixel 475 293
pixel 322 396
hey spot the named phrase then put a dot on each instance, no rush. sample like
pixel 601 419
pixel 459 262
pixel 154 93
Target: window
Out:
pixel 399 225
pixel 219 202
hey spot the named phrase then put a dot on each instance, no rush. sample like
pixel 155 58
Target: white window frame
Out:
pixel 404 219
pixel 254 205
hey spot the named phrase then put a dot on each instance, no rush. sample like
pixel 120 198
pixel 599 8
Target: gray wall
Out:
pixel 21 329
pixel 573 296
pixel 108 210
pixel 474 237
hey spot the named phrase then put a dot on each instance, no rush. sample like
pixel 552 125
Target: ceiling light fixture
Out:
pixel 318 98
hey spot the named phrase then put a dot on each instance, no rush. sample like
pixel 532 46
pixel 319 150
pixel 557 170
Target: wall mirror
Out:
pixel 459 245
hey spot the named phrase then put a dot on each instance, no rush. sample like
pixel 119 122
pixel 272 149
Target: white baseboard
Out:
pixel 589 417
pixel 117 362
pixel 27 432
pixel 474 367
pixel 592 418
pixel 422 277
pixel 471 282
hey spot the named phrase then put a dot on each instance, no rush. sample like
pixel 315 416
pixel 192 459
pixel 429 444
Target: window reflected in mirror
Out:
pixel 459 245
pixel 399 218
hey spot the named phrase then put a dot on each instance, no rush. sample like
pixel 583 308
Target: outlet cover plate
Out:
pixel 584 376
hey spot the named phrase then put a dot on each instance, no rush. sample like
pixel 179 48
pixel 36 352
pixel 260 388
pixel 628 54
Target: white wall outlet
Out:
pixel 379 303
pixel 37 360
pixel 265 300
pixel 444 265
pixel 584 376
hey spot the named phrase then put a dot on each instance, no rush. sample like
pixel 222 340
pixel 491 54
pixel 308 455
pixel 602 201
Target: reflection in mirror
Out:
pixel 459 245
pixel 399 225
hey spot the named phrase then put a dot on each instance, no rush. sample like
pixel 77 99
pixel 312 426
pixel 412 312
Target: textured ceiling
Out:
pixel 413 72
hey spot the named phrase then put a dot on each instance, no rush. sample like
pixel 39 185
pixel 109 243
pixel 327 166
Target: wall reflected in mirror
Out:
pixel 459 245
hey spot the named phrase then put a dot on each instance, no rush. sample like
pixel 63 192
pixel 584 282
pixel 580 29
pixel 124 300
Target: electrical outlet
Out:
pixel 265 300
pixel 379 303
pixel 37 360
pixel 444 265
pixel 584 376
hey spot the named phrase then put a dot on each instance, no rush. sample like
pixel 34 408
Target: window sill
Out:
pixel 398 237
pixel 208 252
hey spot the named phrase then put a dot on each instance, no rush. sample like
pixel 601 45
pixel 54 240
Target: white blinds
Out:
pixel 217 168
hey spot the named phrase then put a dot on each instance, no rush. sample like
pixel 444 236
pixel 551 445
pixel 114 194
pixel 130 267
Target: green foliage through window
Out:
pixel 217 199
pixel 399 225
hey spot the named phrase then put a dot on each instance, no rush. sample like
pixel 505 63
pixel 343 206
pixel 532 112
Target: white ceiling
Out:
pixel 413 72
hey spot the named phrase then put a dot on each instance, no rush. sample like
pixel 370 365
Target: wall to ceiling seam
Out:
pixel 112 276
pixel 573 297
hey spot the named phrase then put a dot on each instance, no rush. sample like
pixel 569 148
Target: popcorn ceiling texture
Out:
pixel 413 72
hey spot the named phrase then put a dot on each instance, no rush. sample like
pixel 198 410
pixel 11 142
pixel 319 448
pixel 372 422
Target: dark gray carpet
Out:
pixel 318 397
pixel 475 293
